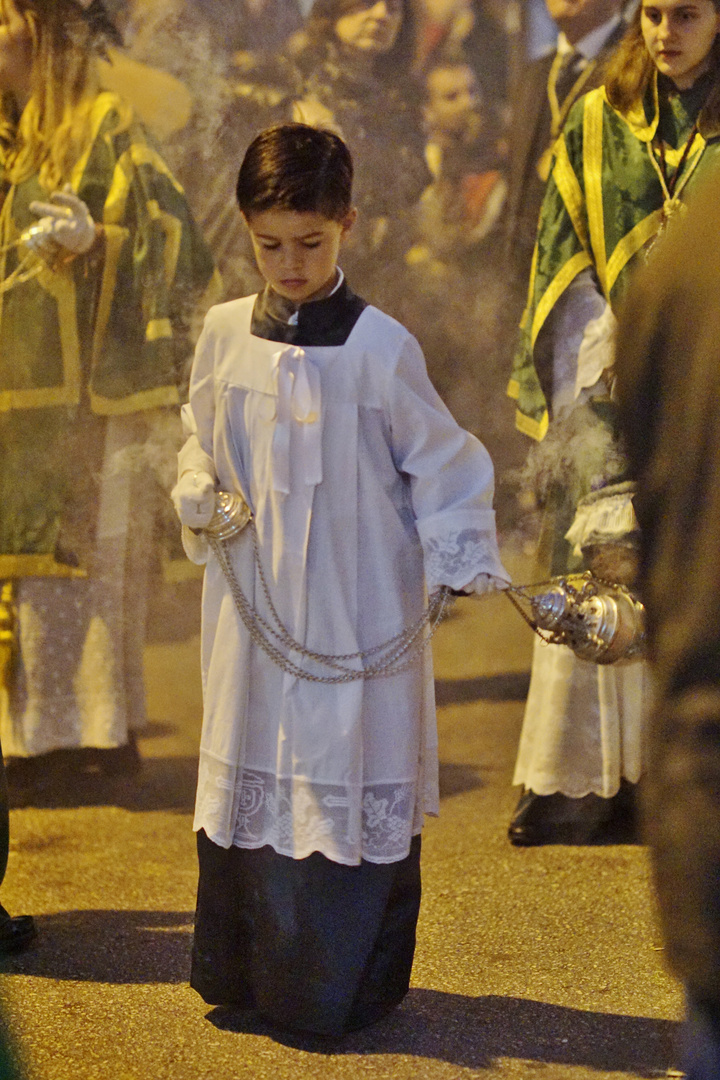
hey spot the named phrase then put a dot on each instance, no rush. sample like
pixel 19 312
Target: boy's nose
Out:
pixel 292 261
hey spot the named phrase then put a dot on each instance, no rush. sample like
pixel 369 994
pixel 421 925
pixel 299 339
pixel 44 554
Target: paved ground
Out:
pixel 535 962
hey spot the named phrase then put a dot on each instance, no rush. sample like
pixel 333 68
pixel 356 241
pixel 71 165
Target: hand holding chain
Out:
pixel 403 650
pixel 601 621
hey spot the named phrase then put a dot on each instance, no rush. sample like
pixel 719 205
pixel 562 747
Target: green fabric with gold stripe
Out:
pixel 602 206
pixel 102 335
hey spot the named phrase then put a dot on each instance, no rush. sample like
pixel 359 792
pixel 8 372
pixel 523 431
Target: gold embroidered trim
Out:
pixel 592 169
pixel 536 429
pixel 556 288
pixel 43 398
pixel 635 117
pixel 136 155
pixel 158 328
pixel 631 244
pixel 172 228
pixel 20 566
pixel 674 157
pixel 104 103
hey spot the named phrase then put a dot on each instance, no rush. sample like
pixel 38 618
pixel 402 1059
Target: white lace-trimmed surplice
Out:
pixel 399 495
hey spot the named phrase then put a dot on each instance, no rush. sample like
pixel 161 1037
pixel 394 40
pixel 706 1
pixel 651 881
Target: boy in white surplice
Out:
pixel 365 496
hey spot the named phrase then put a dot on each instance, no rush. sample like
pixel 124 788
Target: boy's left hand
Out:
pixel 482 585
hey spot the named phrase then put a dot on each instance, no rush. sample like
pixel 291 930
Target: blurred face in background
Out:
pixel 679 35
pixel 442 11
pixel 15 51
pixel 370 28
pixel 576 18
pixel 453 102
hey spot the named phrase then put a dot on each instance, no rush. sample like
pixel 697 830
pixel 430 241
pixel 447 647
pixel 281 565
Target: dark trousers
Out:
pixel 313 945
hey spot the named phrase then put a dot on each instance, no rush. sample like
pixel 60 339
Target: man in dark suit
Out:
pixel 589 31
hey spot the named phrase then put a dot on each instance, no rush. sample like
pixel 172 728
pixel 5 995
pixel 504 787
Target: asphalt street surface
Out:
pixel 530 962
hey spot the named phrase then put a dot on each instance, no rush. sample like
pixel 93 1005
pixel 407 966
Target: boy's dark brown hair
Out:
pixel 296 167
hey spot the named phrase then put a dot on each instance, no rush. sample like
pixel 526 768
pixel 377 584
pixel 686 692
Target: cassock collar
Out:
pixel 325 322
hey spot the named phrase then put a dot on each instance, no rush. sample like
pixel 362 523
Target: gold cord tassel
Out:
pixel 7 631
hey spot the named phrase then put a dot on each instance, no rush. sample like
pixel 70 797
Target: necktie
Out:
pixel 567 75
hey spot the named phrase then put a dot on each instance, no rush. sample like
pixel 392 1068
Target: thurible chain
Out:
pixel 406 647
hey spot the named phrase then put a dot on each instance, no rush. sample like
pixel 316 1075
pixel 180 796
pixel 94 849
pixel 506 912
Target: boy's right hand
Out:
pixel 194 499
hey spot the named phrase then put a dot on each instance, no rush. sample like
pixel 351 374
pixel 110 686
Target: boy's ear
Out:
pixel 349 220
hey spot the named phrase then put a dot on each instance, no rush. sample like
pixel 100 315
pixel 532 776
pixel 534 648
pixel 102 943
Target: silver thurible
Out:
pixel 231 516
pixel 599 621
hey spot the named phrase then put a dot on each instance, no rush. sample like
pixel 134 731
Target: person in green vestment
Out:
pixel 629 156
pixel 101 269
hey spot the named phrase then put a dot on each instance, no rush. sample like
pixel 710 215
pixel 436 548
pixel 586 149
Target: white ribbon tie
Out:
pixel 297 428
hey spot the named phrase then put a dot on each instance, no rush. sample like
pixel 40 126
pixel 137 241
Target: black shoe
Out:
pixel 625 825
pixel 558 819
pixel 117 760
pixel 15 933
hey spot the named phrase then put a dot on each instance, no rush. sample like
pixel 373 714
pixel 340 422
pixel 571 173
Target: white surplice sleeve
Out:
pixel 451 478
pixel 198 418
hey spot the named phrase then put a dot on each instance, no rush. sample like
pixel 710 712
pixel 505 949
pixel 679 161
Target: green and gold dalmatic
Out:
pixel 102 335
pixel 604 201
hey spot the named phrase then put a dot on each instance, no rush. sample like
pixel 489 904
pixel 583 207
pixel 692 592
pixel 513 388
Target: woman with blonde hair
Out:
pixel 100 264
pixel 632 152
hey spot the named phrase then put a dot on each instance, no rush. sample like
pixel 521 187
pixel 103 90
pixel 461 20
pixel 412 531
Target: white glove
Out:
pixel 65 221
pixel 484 583
pixel 194 499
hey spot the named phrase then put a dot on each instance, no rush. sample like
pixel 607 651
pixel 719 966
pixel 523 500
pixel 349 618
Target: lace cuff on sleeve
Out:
pixel 456 556
pixel 605 516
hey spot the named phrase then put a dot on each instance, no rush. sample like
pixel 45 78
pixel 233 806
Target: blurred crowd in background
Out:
pixel 421 90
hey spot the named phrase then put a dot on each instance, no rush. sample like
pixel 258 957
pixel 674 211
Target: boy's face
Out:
pixel 297 253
